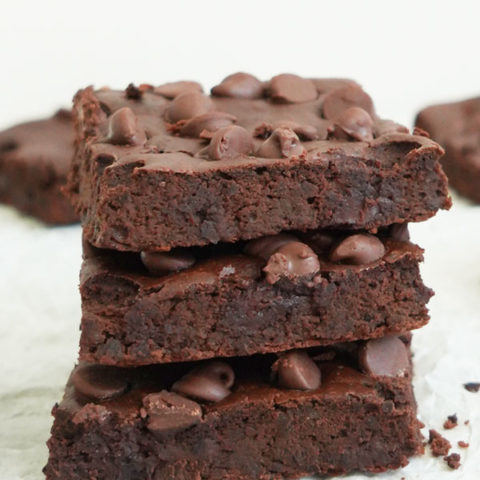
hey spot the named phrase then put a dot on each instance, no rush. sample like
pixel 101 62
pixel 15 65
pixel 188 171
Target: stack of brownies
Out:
pixel 248 283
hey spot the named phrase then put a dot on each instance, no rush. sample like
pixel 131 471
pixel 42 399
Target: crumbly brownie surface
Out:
pixel 317 414
pixel 34 160
pixel 162 167
pixel 456 126
pixel 232 303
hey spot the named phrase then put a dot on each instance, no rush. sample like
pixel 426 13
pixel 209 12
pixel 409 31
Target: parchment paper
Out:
pixel 40 312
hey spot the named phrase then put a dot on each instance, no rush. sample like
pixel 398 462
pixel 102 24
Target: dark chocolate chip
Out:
pixel 289 88
pixel 265 247
pixel 210 382
pixel 293 260
pixel 173 89
pixel 356 123
pixel 188 105
pixel 382 127
pixel 168 412
pixel 161 263
pixel 473 387
pixel 206 124
pixel 123 128
pixel 399 232
pixel 387 356
pixel 420 132
pixel 304 132
pixel 320 241
pixel 239 85
pixel 133 93
pixel 339 100
pixel 99 382
pixel 282 143
pixel 359 249
pixel 230 142
pixel 297 370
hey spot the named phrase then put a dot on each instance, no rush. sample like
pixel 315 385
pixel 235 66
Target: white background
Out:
pixel 406 54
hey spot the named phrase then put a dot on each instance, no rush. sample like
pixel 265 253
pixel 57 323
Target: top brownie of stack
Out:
pixel 164 167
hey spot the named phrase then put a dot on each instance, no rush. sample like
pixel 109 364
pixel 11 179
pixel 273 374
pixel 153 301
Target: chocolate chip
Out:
pixel 297 370
pixel 133 93
pixel 173 89
pixel 123 128
pixel 339 100
pixel 239 85
pixel 99 382
pixel 188 105
pixel 359 249
pixel 206 124
pixel 382 127
pixel 167 412
pixel 420 132
pixel 293 260
pixel 321 241
pixel 210 382
pixel 161 263
pixel 265 247
pixel 473 387
pixel 288 88
pixel 282 143
pixel 399 232
pixel 356 123
pixel 387 356
pixel 230 142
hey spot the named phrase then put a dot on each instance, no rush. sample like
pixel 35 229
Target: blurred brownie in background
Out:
pixel 456 126
pixel 34 160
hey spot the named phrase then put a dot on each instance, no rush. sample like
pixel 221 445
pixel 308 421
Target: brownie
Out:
pixel 456 126
pixel 34 160
pixel 163 167
pixel 235 300
pixel 334 411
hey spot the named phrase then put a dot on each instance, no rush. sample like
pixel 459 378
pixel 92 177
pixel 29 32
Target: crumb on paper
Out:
pixel 453 460
pixel 463 444
pixel 439 445
pixel 473 387
pixel 451 422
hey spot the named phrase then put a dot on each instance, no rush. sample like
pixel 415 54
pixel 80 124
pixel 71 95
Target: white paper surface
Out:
pixel 40 312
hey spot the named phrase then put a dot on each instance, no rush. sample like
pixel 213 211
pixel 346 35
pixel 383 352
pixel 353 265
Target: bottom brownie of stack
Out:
pixel 325 410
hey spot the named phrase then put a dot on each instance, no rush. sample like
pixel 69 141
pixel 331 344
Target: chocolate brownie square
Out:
pixel 303 413
pixel 164 167
pixel 34 160
pixel 271 294
pixel 456 126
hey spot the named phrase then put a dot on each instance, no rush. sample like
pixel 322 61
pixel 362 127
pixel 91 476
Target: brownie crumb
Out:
pixel 453 460
pixel 133 93
pixel 463 444
pixel 440 445
pixel 451 422
pixel 473 387
pixel 466 422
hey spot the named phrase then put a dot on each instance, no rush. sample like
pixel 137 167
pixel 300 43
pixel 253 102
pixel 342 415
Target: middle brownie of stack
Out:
pixel 267 221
